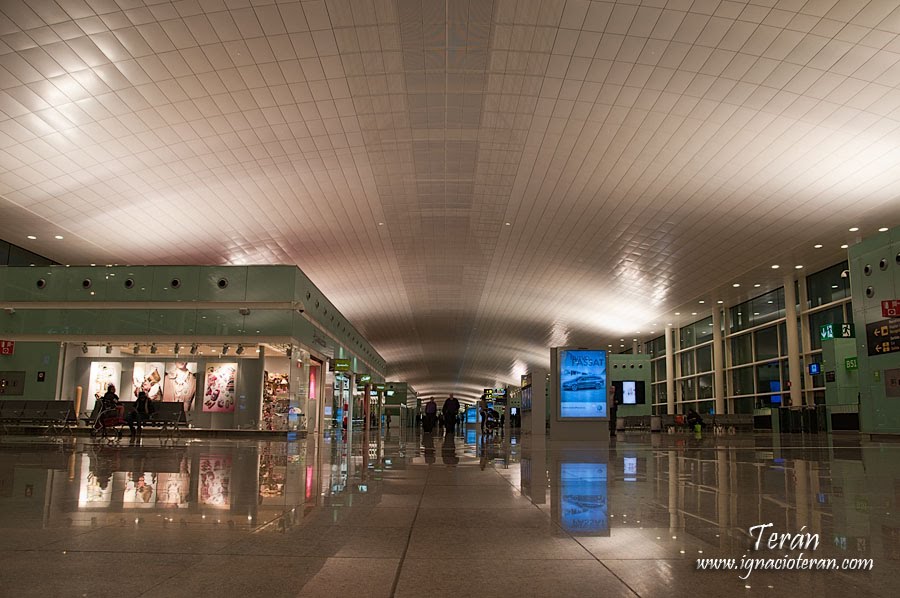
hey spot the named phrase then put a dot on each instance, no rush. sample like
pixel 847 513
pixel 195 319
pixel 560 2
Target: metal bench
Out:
pixel 56 415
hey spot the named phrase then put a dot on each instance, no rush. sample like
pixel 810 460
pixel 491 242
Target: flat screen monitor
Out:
pixel 815 369
pixel 629 392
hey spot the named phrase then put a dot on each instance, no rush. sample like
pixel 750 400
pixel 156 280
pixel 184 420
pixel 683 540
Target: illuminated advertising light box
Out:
pixel 582 383
pixel 471 415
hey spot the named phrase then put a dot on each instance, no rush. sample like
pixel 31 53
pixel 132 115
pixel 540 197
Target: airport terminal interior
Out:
pixel 407 298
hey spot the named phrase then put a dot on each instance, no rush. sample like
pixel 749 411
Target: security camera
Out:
pixel 10 310
pixel 244 311
pixel 845 274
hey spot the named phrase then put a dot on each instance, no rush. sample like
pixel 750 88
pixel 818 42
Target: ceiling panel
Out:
pixel 470 182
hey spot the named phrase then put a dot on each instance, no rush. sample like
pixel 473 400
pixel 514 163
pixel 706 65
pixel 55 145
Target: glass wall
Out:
pixel 756 363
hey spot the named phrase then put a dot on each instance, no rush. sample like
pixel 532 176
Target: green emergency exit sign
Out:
pixel 851 363
pixel 828 332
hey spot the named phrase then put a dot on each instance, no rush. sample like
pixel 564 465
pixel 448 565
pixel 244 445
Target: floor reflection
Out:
pixel 655 499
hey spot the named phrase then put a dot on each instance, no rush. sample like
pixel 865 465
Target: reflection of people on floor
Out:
pixel 428 446
pixel 448 450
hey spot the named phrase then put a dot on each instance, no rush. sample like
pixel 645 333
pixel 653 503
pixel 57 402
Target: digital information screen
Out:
pixel 582 383
pixel 629 395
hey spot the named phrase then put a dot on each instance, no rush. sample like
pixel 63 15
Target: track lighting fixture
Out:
pixel 194 349
pixel 137 348
pixel 84 348
pixel 240 350
pixel 108 349
pixel 153 349
pixel 177 348
pixel 225 349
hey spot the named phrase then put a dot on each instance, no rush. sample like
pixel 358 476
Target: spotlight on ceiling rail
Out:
pixel 176 349
pixel 153 349
pixel 225 349
pixel 240 350
pixel 194 349
pixel 108 349
pixel 137 348
pixel 84 348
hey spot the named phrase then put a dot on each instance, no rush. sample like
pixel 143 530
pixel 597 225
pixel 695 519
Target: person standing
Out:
pixel 450 410
pixel 430 414
pixel 139 414
pixel 483 410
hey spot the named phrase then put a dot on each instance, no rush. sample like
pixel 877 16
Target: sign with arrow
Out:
pixel 883 336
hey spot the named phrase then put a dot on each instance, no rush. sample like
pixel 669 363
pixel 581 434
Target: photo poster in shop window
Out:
pixel 103 374
pixel 140 490
pixel 181 383
pixel 221 380
pixel 147 376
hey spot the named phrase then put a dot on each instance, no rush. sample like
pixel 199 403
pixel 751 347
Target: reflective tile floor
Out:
pixel 462 516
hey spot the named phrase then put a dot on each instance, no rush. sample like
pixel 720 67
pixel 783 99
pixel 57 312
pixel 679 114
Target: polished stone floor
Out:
pixel 410 516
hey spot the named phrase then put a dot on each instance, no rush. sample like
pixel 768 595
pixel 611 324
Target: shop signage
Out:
pixel 883 336
pixel 830 376
pixel 890 308
pixel 379 387
pixel 526 380
pixel 828 332
pixel 851 363
pixel 341 365
pixel 7 347
pixel 488 392
pixel 365 378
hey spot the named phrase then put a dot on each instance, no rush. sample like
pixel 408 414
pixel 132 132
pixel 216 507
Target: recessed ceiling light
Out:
pixel 702 301
pixel 756 286
pixel 883 229
pixel 775 266
pixel 381 224
pixel 853 229
pixel 677 313
pixel 32 237
pixel 668 323
pixel 693 313
pixel 845 246
pixel 756 313
pixel 508 224
pixel 798 267
pixel 736 285
pixel 60 237
pixel 720 302
pixel 817 246
pixel 834 286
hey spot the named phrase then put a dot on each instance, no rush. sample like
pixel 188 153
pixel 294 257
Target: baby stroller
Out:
pixel 107 422
pixel 491 421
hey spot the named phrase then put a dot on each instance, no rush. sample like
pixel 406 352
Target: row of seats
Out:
pixel 725 421
pixel 54 414
pixel 164 414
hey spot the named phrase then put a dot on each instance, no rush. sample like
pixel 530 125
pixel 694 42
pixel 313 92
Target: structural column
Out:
pixel 718 362
pixel 805 342
pixel 670 372
pixel 539 402
pixel 793 341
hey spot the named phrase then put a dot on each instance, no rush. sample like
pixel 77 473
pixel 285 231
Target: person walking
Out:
pixel 450 411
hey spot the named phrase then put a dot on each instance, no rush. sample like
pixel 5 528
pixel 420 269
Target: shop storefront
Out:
pixel 238 347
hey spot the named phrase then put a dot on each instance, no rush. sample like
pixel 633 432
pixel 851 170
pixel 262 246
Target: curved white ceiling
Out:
pixel 470 182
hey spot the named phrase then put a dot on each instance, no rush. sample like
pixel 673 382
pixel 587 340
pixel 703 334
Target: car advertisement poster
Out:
pixel 582 383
